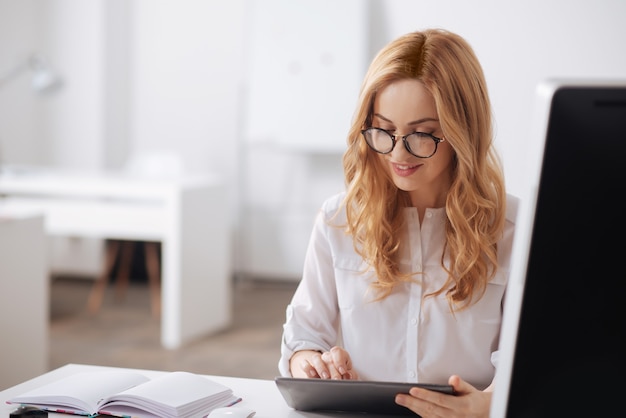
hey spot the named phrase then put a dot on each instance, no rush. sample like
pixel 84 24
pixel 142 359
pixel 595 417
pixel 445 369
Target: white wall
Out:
pixel 153 75
pixel 18 106
pixel 185 80
pixel 72 125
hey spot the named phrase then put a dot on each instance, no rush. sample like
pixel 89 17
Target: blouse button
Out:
pixel 411 374
pixel 413 321
pixel 418 267
pixel 429 214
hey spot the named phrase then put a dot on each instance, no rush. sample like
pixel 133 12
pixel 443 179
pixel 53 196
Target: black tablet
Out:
pixel 361 396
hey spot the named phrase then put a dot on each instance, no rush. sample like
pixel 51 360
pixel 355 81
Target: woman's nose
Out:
pixel 399 150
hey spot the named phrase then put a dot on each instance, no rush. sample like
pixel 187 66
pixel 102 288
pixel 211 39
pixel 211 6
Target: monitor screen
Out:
pixel 562 344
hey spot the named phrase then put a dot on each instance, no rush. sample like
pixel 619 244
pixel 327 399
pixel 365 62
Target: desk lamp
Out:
pixel 44 79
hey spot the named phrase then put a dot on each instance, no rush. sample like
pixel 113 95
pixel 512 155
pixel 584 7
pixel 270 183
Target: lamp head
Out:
pixel 44 80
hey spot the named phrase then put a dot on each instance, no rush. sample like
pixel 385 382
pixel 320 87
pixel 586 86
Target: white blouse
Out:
pixel 404 337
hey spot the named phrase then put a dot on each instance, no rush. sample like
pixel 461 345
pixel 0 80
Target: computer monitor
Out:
pixel 562 350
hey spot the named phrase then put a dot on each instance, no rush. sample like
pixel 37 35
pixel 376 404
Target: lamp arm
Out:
pixel 12 73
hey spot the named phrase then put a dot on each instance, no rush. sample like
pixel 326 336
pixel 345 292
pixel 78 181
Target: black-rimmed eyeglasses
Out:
pixel 419 144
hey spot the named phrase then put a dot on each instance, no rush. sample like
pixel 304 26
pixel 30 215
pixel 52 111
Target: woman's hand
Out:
pixel 333 364
pixel 467 401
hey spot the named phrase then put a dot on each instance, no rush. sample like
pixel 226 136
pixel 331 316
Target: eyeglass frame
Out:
pixel 394 140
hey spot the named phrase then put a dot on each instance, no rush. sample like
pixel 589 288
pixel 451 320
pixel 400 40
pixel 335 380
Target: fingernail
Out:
pixel 342 370
pixel 312 373
pixel 325 375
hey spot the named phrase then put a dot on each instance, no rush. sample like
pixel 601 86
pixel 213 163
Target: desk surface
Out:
pixel 42 181
pixel 260 395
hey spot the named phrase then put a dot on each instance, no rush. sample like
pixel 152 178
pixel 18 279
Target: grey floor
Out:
pixel 125 334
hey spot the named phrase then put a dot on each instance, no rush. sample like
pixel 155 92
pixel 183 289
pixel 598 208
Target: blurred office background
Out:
pixel 259 93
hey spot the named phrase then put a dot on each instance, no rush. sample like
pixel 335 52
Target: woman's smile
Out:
pixel 404 170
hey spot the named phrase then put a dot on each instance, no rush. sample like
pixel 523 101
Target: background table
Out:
pixel 188 215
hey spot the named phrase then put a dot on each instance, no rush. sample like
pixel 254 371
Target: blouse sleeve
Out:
pixel 312 316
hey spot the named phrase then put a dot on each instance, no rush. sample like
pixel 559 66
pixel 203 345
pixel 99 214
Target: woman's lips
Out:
pixel 404 170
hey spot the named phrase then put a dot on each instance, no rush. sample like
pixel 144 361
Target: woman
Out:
pixel 406 271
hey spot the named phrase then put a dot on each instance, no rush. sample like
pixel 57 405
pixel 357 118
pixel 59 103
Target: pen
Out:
pixel 235 401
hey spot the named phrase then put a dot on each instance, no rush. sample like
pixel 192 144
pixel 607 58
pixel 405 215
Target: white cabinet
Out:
pixel 24 298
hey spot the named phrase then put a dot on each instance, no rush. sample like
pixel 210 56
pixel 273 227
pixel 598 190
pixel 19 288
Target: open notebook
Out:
pixel 125 393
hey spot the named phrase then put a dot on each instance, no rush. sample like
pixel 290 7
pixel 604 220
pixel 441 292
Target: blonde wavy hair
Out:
pixel 475 205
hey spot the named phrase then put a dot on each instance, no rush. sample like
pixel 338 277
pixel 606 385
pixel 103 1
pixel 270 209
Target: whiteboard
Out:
pixel 305 65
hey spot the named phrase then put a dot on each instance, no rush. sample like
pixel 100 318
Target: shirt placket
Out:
pixel 415 300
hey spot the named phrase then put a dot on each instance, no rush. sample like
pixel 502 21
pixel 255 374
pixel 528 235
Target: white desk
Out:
pixel 189 216
pixel 257 394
